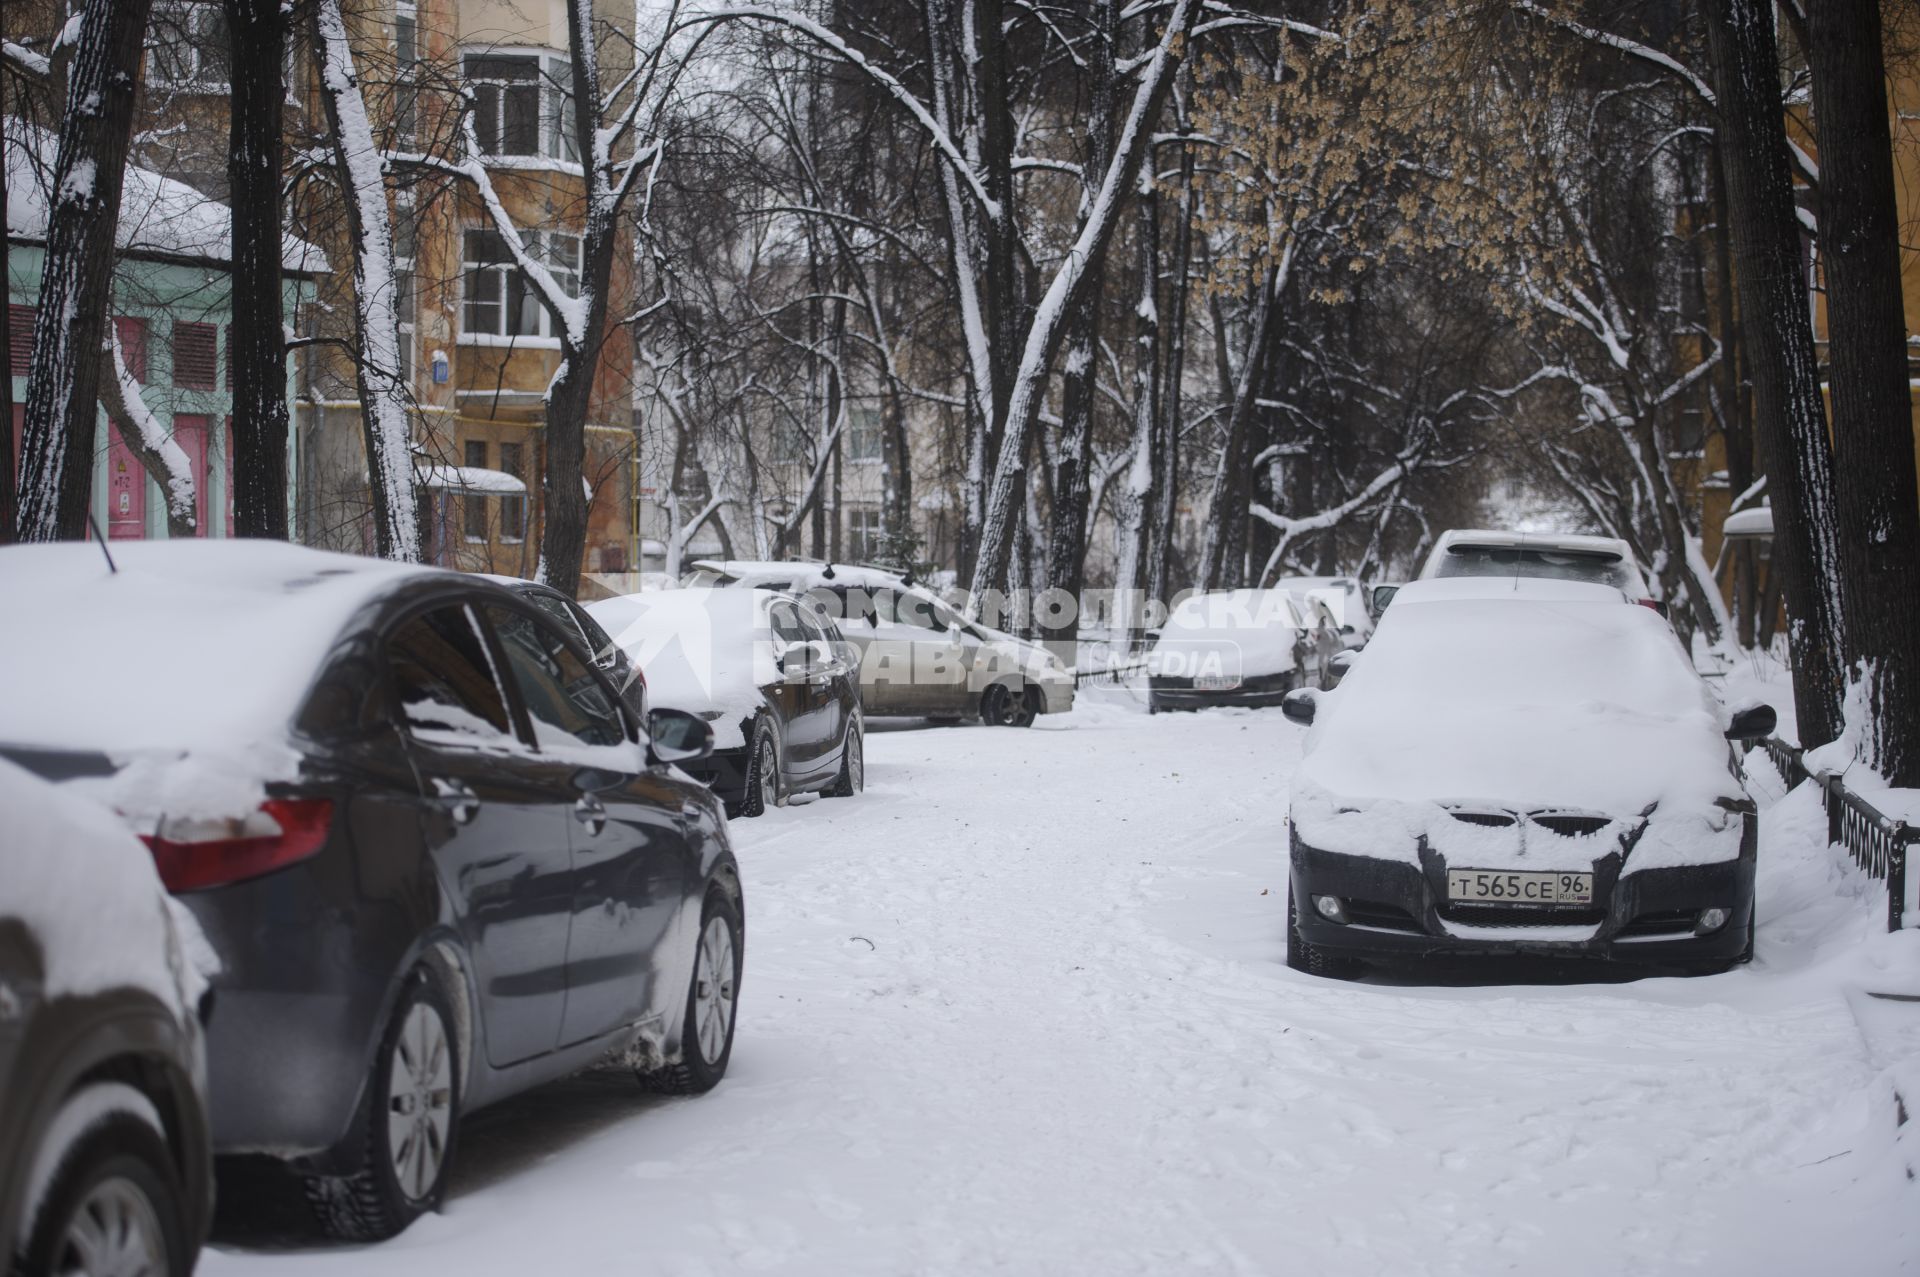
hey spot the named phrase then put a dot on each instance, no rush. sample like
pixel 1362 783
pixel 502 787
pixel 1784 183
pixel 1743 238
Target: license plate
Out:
pixel 1509 887
pixel 1215 682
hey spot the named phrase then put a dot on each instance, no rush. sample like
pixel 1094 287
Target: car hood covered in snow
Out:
pixel 1482 699
pixel 705 651
pixel 1245 632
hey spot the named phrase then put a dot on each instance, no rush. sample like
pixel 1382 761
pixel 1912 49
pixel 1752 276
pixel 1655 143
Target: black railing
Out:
pixel 1878 843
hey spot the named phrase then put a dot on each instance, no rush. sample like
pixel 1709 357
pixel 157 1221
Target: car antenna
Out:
pixel 826 573
pixel 94 523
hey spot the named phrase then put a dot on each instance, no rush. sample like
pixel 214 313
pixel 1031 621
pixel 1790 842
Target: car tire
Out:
pixel 1023 707
pixel 114 1204
pixel 713 993
pixel 409 1125
pixel 763 774
pixel 853 762
pixel 1303 955
pixel 1003 706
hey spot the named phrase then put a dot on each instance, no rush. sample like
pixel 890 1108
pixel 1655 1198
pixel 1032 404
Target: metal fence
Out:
pixel 1877 842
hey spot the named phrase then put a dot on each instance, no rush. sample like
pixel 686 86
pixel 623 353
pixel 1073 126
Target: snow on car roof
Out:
pixel 190 644
pixel 801 574
pixel 1554 694
pixel 1493 588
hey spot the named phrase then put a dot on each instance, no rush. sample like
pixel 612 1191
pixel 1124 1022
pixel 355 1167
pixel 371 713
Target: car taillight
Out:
pixel 195 854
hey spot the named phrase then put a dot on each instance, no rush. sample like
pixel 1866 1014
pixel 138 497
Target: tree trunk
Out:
pixel 9 494
pixel 361 174
pixel 1736 429
pixel 1877 512
pixel 63 377
pixel 1167 495
pixel 1134 500
pixel 1789 419
pixel 1223 545
pixel 1072 480
pixel 256 345
pixel 150 443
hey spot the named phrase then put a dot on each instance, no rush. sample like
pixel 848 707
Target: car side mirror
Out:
pixel 1383 595
pixel 1342 661
pixel 678 737
pixel 1299 705
pixel 1752 722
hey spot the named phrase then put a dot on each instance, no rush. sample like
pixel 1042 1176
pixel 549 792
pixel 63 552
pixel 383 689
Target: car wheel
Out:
pixel 1302 955
pixel 112 1206
pixel 853 762
pixel 706 1036
pixel 763 775
pixel 411 1118
pixel 1022 708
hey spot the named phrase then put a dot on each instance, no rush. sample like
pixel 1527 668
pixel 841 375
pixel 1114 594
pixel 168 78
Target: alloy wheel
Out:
pixel 713 989
pixel 768 768
pixel 115 1232
pixel 419 1101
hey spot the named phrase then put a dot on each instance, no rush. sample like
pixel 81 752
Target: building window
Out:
pixel 521 104
pixel 406 59
pixel 863 433
pixel 20 337
pixel 474 506
pixel 513 510
pixel 133 347
pixel 188 47
pixel 499 301
pixel 195 359
pixel 863 535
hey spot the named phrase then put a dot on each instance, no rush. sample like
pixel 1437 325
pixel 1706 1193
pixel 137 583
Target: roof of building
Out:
pixel 159 217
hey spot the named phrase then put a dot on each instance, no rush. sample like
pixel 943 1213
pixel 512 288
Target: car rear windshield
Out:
pixel 1597 566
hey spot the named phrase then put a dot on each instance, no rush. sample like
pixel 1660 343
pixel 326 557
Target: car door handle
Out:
pixel 459 801
pixel 592 813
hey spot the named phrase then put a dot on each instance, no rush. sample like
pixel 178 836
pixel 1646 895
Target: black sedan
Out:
pixel 437 855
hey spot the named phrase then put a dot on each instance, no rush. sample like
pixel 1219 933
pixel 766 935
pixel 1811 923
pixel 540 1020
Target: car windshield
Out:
pixel 1598 566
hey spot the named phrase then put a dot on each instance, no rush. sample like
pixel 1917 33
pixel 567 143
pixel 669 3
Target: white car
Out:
pixel 918 657
pixel 1240 647
pixel 1520 768
pixel 1563 557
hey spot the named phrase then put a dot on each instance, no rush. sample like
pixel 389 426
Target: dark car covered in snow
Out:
pixel 439 858
pixel 1521 768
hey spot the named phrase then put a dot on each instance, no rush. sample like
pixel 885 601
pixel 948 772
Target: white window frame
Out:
pixel 201 49
pixel 864 427
pixel 514 291
pixel 552 80
pixel 864 530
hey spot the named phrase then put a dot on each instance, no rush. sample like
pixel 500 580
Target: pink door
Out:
pixel 190 432
pixel 126 491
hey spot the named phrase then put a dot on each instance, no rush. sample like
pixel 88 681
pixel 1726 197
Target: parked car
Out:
pixel 105 1164
pixel 1561 557
pixel 773 678
pixel 1240 647
pixel 918 657
pixel 1349 601
pixel 1520 769
pixel 611 659
pixel 437 856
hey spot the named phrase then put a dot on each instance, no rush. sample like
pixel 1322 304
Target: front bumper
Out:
pixel 1258 692
pixel 1400 912
pixel 1056 695
pixel 724 771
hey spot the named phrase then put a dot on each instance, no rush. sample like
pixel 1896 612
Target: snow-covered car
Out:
pixel 1521 768
pixel 1556 556
pixel 1240 647
pixel 773 678
pixel 1347 599
pixel 438 860
pixel 918 656
pixel 105 1160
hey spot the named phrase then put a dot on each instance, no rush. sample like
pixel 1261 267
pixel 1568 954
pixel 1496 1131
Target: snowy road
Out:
pixel 1022 1008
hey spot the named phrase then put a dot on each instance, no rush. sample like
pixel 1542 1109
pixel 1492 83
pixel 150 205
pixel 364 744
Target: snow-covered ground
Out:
pixel 1021 1008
